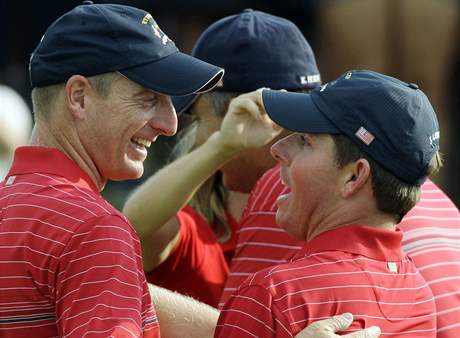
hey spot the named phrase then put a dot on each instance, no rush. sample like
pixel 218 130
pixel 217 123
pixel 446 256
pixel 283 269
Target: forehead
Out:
pixel 126 86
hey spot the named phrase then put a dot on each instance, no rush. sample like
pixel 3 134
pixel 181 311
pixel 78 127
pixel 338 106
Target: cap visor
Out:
pixel 176 74
pixel 296 112
pixel 182 103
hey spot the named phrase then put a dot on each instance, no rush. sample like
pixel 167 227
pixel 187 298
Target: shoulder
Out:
pixel 270 278
pixel 434 211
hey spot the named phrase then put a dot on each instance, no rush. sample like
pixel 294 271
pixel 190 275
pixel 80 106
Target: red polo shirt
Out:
pixel 431 237
pixel 354 268
pixel 70 264
pixel 198 265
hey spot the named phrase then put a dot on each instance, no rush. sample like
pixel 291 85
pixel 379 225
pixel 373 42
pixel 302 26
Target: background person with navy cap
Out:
pixel 362 146
pixel 256 49
pixel 71 265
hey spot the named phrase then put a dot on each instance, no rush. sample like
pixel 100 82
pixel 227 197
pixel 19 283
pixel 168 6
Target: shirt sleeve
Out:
pixel 251 312
pixel 100 288
pixel 188 254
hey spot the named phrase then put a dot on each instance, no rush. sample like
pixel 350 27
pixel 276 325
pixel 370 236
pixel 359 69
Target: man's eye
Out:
pixel 305 139
pixel 150 101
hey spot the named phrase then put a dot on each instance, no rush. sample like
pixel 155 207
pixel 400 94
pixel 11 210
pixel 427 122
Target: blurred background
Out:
pixel 414 40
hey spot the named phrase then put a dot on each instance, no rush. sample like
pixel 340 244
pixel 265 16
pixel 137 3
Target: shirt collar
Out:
pixel 375 243
pixel 34 159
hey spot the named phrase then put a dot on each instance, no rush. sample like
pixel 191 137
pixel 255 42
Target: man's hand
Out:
pixel 246 124
pixel 326 328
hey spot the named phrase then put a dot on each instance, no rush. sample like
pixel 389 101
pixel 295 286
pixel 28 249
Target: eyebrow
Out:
pixel 144 91
pixel 309 137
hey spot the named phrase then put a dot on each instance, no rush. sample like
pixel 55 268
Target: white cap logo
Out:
pixel 148 19
pixel 310 79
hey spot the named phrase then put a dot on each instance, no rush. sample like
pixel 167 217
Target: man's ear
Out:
pixel 77 89
pixel 357 174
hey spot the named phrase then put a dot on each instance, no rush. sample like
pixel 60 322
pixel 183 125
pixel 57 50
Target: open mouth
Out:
pixel 140 142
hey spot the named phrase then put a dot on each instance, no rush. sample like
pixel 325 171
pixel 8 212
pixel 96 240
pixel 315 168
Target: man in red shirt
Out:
pixel 350 184
pixel 429 237
pixel 70 264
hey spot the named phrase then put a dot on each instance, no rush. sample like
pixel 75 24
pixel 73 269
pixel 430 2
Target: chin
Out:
pixel 136 175
pixel 291 229
pixel 280 221
pixel 132 173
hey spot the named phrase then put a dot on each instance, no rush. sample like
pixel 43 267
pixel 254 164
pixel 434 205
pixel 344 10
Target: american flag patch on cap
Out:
pixel 364 135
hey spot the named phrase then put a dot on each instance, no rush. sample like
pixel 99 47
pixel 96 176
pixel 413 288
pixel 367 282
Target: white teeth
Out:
pixel 141 141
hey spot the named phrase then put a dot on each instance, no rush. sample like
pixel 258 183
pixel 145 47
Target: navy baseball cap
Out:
pixel 390 120
pixel 93 39
pixel 256 50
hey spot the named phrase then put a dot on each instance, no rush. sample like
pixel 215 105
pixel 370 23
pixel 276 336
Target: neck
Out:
pixel 65 139
pixel 236 203
pixel 365 214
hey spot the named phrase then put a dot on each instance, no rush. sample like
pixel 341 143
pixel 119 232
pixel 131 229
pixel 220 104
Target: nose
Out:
pixel 165 118
pixel 278 151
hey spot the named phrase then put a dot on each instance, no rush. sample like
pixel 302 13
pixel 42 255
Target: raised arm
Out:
pixel 153 206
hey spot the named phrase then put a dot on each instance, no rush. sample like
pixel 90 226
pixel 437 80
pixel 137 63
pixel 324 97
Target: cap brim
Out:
pixel 176 74
pixel 182 103
pixel 296 112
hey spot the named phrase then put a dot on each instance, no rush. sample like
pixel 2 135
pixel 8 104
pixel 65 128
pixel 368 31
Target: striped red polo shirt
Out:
pixel 70 264
pixel 431 237
pixel 354 268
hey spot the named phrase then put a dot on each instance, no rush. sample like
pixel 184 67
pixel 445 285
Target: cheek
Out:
pixel 301 180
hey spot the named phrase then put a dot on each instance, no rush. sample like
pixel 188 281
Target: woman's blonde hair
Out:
pixel 211 199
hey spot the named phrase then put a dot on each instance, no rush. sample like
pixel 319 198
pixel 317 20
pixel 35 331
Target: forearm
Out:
pixel 165 193
pixel 182 316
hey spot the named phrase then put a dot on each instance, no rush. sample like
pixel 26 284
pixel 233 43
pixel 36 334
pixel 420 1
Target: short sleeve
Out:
pixel 101 289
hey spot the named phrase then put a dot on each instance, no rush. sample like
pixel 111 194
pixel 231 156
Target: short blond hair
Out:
pixel 44 98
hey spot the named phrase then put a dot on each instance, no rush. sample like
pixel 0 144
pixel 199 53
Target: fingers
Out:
pixel 343 322
pixel 338 322
pixel 370 332
pixel 249 102
pixel 326 328
pixel 248 105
